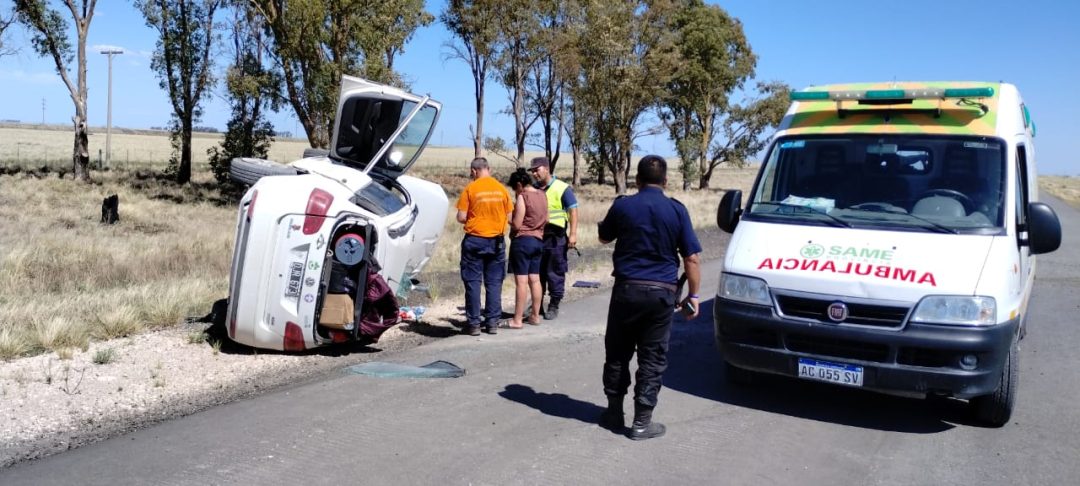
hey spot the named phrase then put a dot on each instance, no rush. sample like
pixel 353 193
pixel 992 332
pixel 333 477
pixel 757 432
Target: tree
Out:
pixel 472 23
pixel 6 20
pixel 516 51
pixel 315 42
pixel 183 64
pixel 716 59
pixel 251 89
pixel 49 38
pixel 627 57
pixel 745 126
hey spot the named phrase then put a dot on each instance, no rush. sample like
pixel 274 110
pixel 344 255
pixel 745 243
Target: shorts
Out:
pixel 525 255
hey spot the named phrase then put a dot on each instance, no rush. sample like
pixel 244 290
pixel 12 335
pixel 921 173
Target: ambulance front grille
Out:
pixel 861 314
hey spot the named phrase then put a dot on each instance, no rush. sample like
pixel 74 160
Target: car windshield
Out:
pixel 914 183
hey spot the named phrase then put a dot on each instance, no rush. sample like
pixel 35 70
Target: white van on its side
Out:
pixel 889 243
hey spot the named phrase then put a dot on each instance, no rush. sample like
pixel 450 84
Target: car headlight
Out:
pixel 941 309
pixel 744 289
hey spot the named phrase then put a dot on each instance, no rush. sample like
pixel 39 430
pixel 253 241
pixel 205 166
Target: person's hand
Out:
pixel 690 307
pixel 571 241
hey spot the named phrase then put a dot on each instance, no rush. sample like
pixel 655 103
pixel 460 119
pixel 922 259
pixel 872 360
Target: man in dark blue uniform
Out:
pixel 651 232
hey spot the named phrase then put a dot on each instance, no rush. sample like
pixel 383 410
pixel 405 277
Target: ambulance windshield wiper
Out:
pixel 929 224
pixel 800 210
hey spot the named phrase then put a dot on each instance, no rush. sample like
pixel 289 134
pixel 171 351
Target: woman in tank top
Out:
pixel 526 245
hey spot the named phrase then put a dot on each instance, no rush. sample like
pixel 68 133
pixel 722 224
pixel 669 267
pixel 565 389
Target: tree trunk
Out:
pixel 183 172
pixel 577 165
pixel 519 116
pixel 80 156
pixel 704 166
pixel 478 137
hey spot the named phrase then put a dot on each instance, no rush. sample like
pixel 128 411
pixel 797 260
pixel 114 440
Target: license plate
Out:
pixel 839 373
pixel 296 274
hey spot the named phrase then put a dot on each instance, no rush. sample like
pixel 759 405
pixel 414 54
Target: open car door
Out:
pixel 380 128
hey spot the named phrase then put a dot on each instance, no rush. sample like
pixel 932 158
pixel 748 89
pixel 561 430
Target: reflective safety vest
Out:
pixel 556 213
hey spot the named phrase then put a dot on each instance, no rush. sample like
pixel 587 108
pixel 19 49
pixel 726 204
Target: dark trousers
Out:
pixel 639 319
pixel 553 264
pixel 483 261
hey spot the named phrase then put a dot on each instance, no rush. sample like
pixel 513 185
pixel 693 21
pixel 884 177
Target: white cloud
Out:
pixel 106 47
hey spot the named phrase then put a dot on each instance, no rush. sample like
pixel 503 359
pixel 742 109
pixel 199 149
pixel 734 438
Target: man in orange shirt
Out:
pixel 484 207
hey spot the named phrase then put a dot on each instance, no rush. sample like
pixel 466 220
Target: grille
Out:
pixel 859 314
pixel 838 348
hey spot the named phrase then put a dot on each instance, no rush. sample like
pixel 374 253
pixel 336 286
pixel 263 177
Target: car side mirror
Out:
pixel 395 158
pixel 727 214
pixel 1044 229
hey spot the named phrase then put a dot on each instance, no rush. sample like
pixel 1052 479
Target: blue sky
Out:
pixel 1034 44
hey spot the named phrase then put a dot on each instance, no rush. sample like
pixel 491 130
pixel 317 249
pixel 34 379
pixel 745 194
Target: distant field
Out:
pixel 135 149
pixel 1066 188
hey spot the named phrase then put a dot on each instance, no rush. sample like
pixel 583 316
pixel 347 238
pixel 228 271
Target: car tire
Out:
pixel 996 408
pixel 315 152
pixel 738 376
pixel 248 170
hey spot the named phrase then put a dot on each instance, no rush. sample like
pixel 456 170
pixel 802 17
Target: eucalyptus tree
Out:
pixel 315 42
pixel 49 36
pixel 184 65
pixel 473 26
pixel 716 60
pixel 628 55
pixel 251 89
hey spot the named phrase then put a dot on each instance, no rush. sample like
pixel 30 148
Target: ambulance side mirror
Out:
pixel 727 214
pixel 1044 229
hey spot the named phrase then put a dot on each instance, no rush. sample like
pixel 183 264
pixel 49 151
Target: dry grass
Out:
pixel 65 278
pixel 1066 188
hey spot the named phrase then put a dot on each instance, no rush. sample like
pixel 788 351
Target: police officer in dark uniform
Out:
pixel 651 232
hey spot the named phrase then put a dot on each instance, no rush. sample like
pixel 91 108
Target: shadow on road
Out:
pixel 554 404
pixel 695 368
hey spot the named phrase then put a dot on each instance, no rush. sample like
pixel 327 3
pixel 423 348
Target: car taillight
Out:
pixel 251 205
pixel 318 204
pixel 294 337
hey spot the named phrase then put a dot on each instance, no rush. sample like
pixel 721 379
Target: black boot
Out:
pixel 613 417
pixel 644 427
pixel 552 312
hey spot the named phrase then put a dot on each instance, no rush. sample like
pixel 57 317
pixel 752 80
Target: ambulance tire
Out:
pixel 246 170
pixel 996 408
pixel 738 376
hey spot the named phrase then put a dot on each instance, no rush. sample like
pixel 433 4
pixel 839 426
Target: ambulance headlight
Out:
pixel 942 309
pixel 744 289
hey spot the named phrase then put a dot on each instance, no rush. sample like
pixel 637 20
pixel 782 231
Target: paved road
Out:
pixel 525 414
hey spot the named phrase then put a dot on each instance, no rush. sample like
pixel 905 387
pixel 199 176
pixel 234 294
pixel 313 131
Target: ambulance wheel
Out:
pixel 738 376
pixel 248 170
pixel 996 408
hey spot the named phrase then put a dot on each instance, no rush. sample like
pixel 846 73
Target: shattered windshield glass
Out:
pixel 917 183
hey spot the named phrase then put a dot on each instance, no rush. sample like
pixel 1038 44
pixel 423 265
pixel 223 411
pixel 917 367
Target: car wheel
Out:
pixel 996 408
pixel 738 376
pixel 315 152
pixel 248 170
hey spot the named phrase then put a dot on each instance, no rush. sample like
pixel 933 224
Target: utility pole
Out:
pixel 108 123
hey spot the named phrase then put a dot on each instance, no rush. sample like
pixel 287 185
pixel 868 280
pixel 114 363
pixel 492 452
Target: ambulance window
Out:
pixel 1021 188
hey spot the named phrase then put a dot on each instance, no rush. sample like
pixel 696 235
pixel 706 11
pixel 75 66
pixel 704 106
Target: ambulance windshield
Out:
pixel 915 183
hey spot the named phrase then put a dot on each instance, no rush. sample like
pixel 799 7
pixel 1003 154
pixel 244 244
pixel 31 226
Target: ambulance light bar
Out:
pixel 893 94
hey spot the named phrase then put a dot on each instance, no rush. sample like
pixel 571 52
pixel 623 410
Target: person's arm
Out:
pixel 572 237
pixel 463 206
pixel 605 229
pixel 519 214
pixel 692 265
pixel 462 216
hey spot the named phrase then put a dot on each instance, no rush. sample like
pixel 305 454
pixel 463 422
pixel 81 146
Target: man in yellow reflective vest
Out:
pixel 560 233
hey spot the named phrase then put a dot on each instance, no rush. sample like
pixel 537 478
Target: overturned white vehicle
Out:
pixel 324 243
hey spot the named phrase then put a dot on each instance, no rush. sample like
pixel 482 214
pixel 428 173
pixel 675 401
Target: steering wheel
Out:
pixel 969 205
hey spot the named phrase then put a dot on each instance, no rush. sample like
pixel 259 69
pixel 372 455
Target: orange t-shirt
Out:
pixel 486 203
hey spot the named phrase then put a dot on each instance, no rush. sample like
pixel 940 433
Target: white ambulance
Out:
pixel 889 243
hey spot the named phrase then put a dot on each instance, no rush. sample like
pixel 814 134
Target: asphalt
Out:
pixel 525 414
